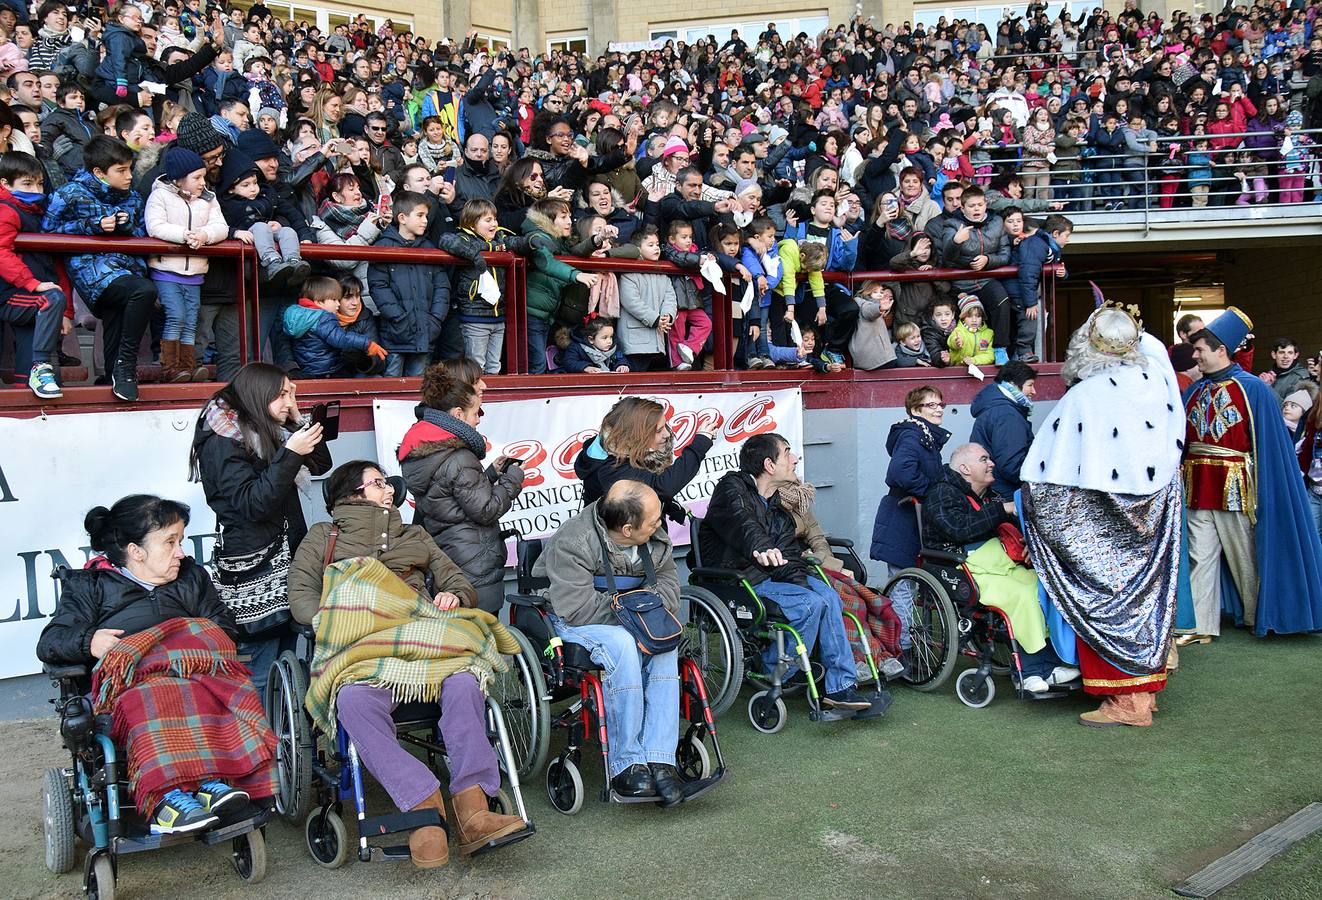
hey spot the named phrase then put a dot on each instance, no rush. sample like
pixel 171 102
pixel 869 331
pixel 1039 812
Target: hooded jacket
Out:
pixel 664 473
pixel 458 501
pixel 22 272
pixel 914 447
pixel 472 307
pixel 547 276
pixel 78 208
pixel 413 298
pixel 369 530
pixel 318 339
pixel 1001 426
pixel 122 65
pixel 170 216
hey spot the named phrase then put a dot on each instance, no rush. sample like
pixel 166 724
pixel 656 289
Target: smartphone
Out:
pixel 383 206
pixel 510 461
pixel 327 415
pixel 448 174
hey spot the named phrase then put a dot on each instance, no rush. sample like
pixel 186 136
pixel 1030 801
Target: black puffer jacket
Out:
pixel 459 502
pixel 739 521
pixel 92 599
pixel 598 470
pixel 253 498
pixel 951 521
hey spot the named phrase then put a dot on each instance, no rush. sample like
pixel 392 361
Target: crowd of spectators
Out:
pixel 753 165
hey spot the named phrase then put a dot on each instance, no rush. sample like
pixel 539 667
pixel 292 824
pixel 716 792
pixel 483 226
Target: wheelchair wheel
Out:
pixel 327 840
pixel 933 630
pixel 692 759
pixel 711 639
pixel 521 693
pixel 974 692
pixel 100 882
pixel 767 717
pixel 502 803
pixel 564 785
pixel 249 853
pixel 1002 658
pixel 58 821
pixel 286 688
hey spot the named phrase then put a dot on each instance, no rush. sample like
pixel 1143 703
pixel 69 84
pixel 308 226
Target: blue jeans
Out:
pixel 406 364
pixel 816 613
pixel 1315 504
pixel 1040 663
pixel 181 302
pixel 483 342
pixel 642 695
pixel 902 602
pixel 538 331
pixel 262 655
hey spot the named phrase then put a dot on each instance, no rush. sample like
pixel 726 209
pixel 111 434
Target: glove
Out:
pixel 375 349
pixel 812 146
pixel 121 91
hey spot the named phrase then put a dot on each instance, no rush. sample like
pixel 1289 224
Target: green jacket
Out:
pixel 547 276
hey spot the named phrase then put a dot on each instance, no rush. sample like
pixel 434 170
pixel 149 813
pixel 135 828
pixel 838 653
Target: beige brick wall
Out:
pixel 493 16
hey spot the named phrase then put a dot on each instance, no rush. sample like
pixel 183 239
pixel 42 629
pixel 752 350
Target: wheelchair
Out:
pixel 89 801
pixel 318 773
pixel 950 619
pixel 571 674
pixel 761 624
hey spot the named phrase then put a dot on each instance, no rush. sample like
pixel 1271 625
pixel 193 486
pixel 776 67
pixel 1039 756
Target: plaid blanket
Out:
pixel 372 628
pixel 185 708
pixel 873 610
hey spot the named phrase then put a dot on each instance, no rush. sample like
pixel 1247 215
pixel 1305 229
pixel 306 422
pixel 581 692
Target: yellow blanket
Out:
pixel 1012 588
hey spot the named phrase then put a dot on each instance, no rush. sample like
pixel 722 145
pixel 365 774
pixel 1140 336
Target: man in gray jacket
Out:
pixel 642 692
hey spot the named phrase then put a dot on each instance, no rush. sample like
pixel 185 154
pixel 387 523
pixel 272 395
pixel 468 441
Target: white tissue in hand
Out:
pixel 711 271
pixel 488 289
pixel 746 304
pixel 771 264
pixel 976 372
pixel 796 335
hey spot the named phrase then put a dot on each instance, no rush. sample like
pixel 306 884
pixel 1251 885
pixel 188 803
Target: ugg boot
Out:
pixel 475 824
pixel 188 362
pixel 428 846
pixel 171 371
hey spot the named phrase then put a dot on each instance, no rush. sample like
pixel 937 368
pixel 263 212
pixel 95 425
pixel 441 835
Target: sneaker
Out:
pixel 1035 684
pixel 684 366
pixel 846 699
pixel 42 382
pixel 1063 675
pixel 179 812
pixel 215 794
pixel 756 362
pixel 685 353
pixel 803 364
pixel 893 667
pixel 1000 357
pixel 124 382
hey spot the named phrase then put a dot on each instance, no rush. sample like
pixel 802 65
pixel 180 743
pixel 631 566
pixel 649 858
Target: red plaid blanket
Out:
pixel 873 610
pixel 184 707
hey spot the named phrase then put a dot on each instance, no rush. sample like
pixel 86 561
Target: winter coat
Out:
pixel 914 448
pixel 1001 426
pixel 22 272
pixel 598 469
pixel 65 132
pixel 364 236
pixel 644 298
pixel 841 255
pixel 547 276
pixel 78 208
pixel 574 358
pixel 319 340
pixel 739 522
pixel 472 307
pixel 870 347
pixel 241 214
pixel 987 239
pixel 123 64
pixel 214 87
pixel 474 182
pixel 92 599
pixel 913 298
pixel 458 501
pixel 413 297
pixel 572 561
pixel 908 359
pixel 565 171
pixel 1036 252
pixel 370 530
pixel 935 340
pixel 170 217
pixel 967 345
pixel 253 498
pixel 950 520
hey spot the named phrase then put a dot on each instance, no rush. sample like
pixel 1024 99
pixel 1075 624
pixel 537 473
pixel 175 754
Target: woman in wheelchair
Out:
pixel 131 609
pixel 960 510
pixel 366 523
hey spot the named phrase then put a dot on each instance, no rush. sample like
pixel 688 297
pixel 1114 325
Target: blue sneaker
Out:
pixel 1000 357
pixel 43 383
pixel 215 794
pixel 179 812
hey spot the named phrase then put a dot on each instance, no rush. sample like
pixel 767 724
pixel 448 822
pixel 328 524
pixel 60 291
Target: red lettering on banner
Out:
pixel 562 459
pixel 750 419
pixel 687 424
pixel 533 455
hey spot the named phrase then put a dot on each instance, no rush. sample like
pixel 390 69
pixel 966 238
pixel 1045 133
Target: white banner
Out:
pixel 550 433
pixel 53 469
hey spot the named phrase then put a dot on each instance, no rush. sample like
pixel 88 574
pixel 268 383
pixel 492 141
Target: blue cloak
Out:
pixel 1288 550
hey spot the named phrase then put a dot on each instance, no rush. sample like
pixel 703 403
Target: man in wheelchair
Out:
pixel 961 511
pixel 747 527
pixel 623 529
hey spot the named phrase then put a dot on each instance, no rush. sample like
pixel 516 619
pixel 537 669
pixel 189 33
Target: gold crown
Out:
pixel 1111 347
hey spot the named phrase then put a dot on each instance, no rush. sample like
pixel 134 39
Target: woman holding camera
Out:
pixel 458 501
pixel 251 452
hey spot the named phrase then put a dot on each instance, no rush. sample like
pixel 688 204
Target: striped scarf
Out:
pixel 374 629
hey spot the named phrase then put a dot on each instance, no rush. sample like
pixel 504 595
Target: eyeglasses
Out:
pixel 376 483
pixel 560 134
pixel 933 404
pixel 376 128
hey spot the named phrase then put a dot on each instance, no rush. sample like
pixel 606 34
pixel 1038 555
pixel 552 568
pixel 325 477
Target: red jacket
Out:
pixel 12 267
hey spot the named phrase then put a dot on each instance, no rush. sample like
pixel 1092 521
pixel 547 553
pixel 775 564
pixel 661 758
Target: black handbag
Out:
pixel 640 611
pixel 255 586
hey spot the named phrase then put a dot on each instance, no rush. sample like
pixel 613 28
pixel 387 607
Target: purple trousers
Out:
pixel 364 713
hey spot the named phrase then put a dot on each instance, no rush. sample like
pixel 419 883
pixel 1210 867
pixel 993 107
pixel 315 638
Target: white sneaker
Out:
pixel 683 367
pixel 1035 684
pixel 685 353
pixel 1063 675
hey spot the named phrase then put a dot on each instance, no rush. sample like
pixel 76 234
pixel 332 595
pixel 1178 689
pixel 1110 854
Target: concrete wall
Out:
pixel 1278 288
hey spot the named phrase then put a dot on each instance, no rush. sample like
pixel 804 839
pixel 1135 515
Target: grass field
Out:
pixel 935 800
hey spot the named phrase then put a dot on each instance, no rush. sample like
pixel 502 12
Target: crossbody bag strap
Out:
pixel 330 546
pixel 649 570
pixel 606 561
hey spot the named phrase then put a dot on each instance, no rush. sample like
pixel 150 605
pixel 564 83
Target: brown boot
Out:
pixel 188 362
pixel 171 373
pixel 428 846
pixel 475 824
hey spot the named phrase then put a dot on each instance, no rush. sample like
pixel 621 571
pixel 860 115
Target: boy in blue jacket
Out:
pixel 825 228
pixel 1044 247
pixel 314 329
pixel 763 263
pixel 413 298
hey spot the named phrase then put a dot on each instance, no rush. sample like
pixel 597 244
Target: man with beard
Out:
pixel 475 178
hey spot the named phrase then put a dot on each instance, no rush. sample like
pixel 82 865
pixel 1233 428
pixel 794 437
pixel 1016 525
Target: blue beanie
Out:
pixel 180 162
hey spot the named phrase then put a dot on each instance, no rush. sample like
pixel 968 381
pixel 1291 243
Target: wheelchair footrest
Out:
pixel 620 798
pixel 394 823
pixel 388 854
pixel 695 789
pixel 505 841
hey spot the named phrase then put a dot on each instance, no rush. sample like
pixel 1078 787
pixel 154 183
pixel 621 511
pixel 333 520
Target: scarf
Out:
pixel 1020 400
pixel 347 319
pixel 434 156
pixel 797 497
pixel 600 358
pixel 372 628
pixel 50 34
pixel 342 218
pixel 460 429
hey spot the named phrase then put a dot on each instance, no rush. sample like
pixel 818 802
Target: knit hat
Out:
pixel 775 134
pixel 1182 357
pixel 236 167
pixel 269 111
pixel 196 133
pixel 968 302
pixel 674 145
pixel 257 144
pixel 1294 119
pixel 1300 398
pixel 181 162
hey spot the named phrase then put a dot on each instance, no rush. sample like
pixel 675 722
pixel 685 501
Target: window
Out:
pixel 748 29
pixel 569 43
pixel 991 14
pixel 325 18
pixel 493 43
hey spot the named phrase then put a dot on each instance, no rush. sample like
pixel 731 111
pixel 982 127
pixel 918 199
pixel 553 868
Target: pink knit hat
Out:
pixel 674 145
